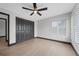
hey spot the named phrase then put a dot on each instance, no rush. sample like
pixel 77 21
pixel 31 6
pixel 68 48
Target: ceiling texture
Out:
pixel 53 9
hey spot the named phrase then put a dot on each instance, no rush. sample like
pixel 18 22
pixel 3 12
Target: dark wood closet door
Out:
pixel 24 29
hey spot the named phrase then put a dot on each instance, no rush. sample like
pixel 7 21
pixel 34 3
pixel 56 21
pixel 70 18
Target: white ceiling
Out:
pixel 53 9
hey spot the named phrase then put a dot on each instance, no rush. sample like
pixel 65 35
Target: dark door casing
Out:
pixel 24 29
pixel 6 17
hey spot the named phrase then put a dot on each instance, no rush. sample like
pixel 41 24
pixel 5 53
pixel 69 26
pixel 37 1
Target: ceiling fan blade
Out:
pixel 27 8
pixel 39 13
pixel 42 9
pixel 32 13
pixel 34 5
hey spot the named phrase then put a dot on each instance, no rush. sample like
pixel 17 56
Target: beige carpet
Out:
pixel 39 47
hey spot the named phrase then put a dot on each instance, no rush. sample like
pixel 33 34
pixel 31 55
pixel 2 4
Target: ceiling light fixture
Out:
pixel 35 9
pixel 35 12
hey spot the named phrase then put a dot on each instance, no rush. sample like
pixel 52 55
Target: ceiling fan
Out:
pixel 35 9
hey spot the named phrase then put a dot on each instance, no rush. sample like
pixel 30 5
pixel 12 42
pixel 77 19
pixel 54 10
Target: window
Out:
pixel 59 27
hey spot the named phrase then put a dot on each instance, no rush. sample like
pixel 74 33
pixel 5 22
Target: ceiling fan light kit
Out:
pixel 35 10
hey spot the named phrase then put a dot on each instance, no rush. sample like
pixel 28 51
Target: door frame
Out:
pixel 6 31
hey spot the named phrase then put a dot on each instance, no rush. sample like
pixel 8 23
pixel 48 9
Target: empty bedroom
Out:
pixel 39 29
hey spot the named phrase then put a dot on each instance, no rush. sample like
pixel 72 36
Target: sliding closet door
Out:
pixel 18 30
pixel 24 30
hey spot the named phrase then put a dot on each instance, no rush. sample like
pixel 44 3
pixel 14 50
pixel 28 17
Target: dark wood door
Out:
pixel 24 29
